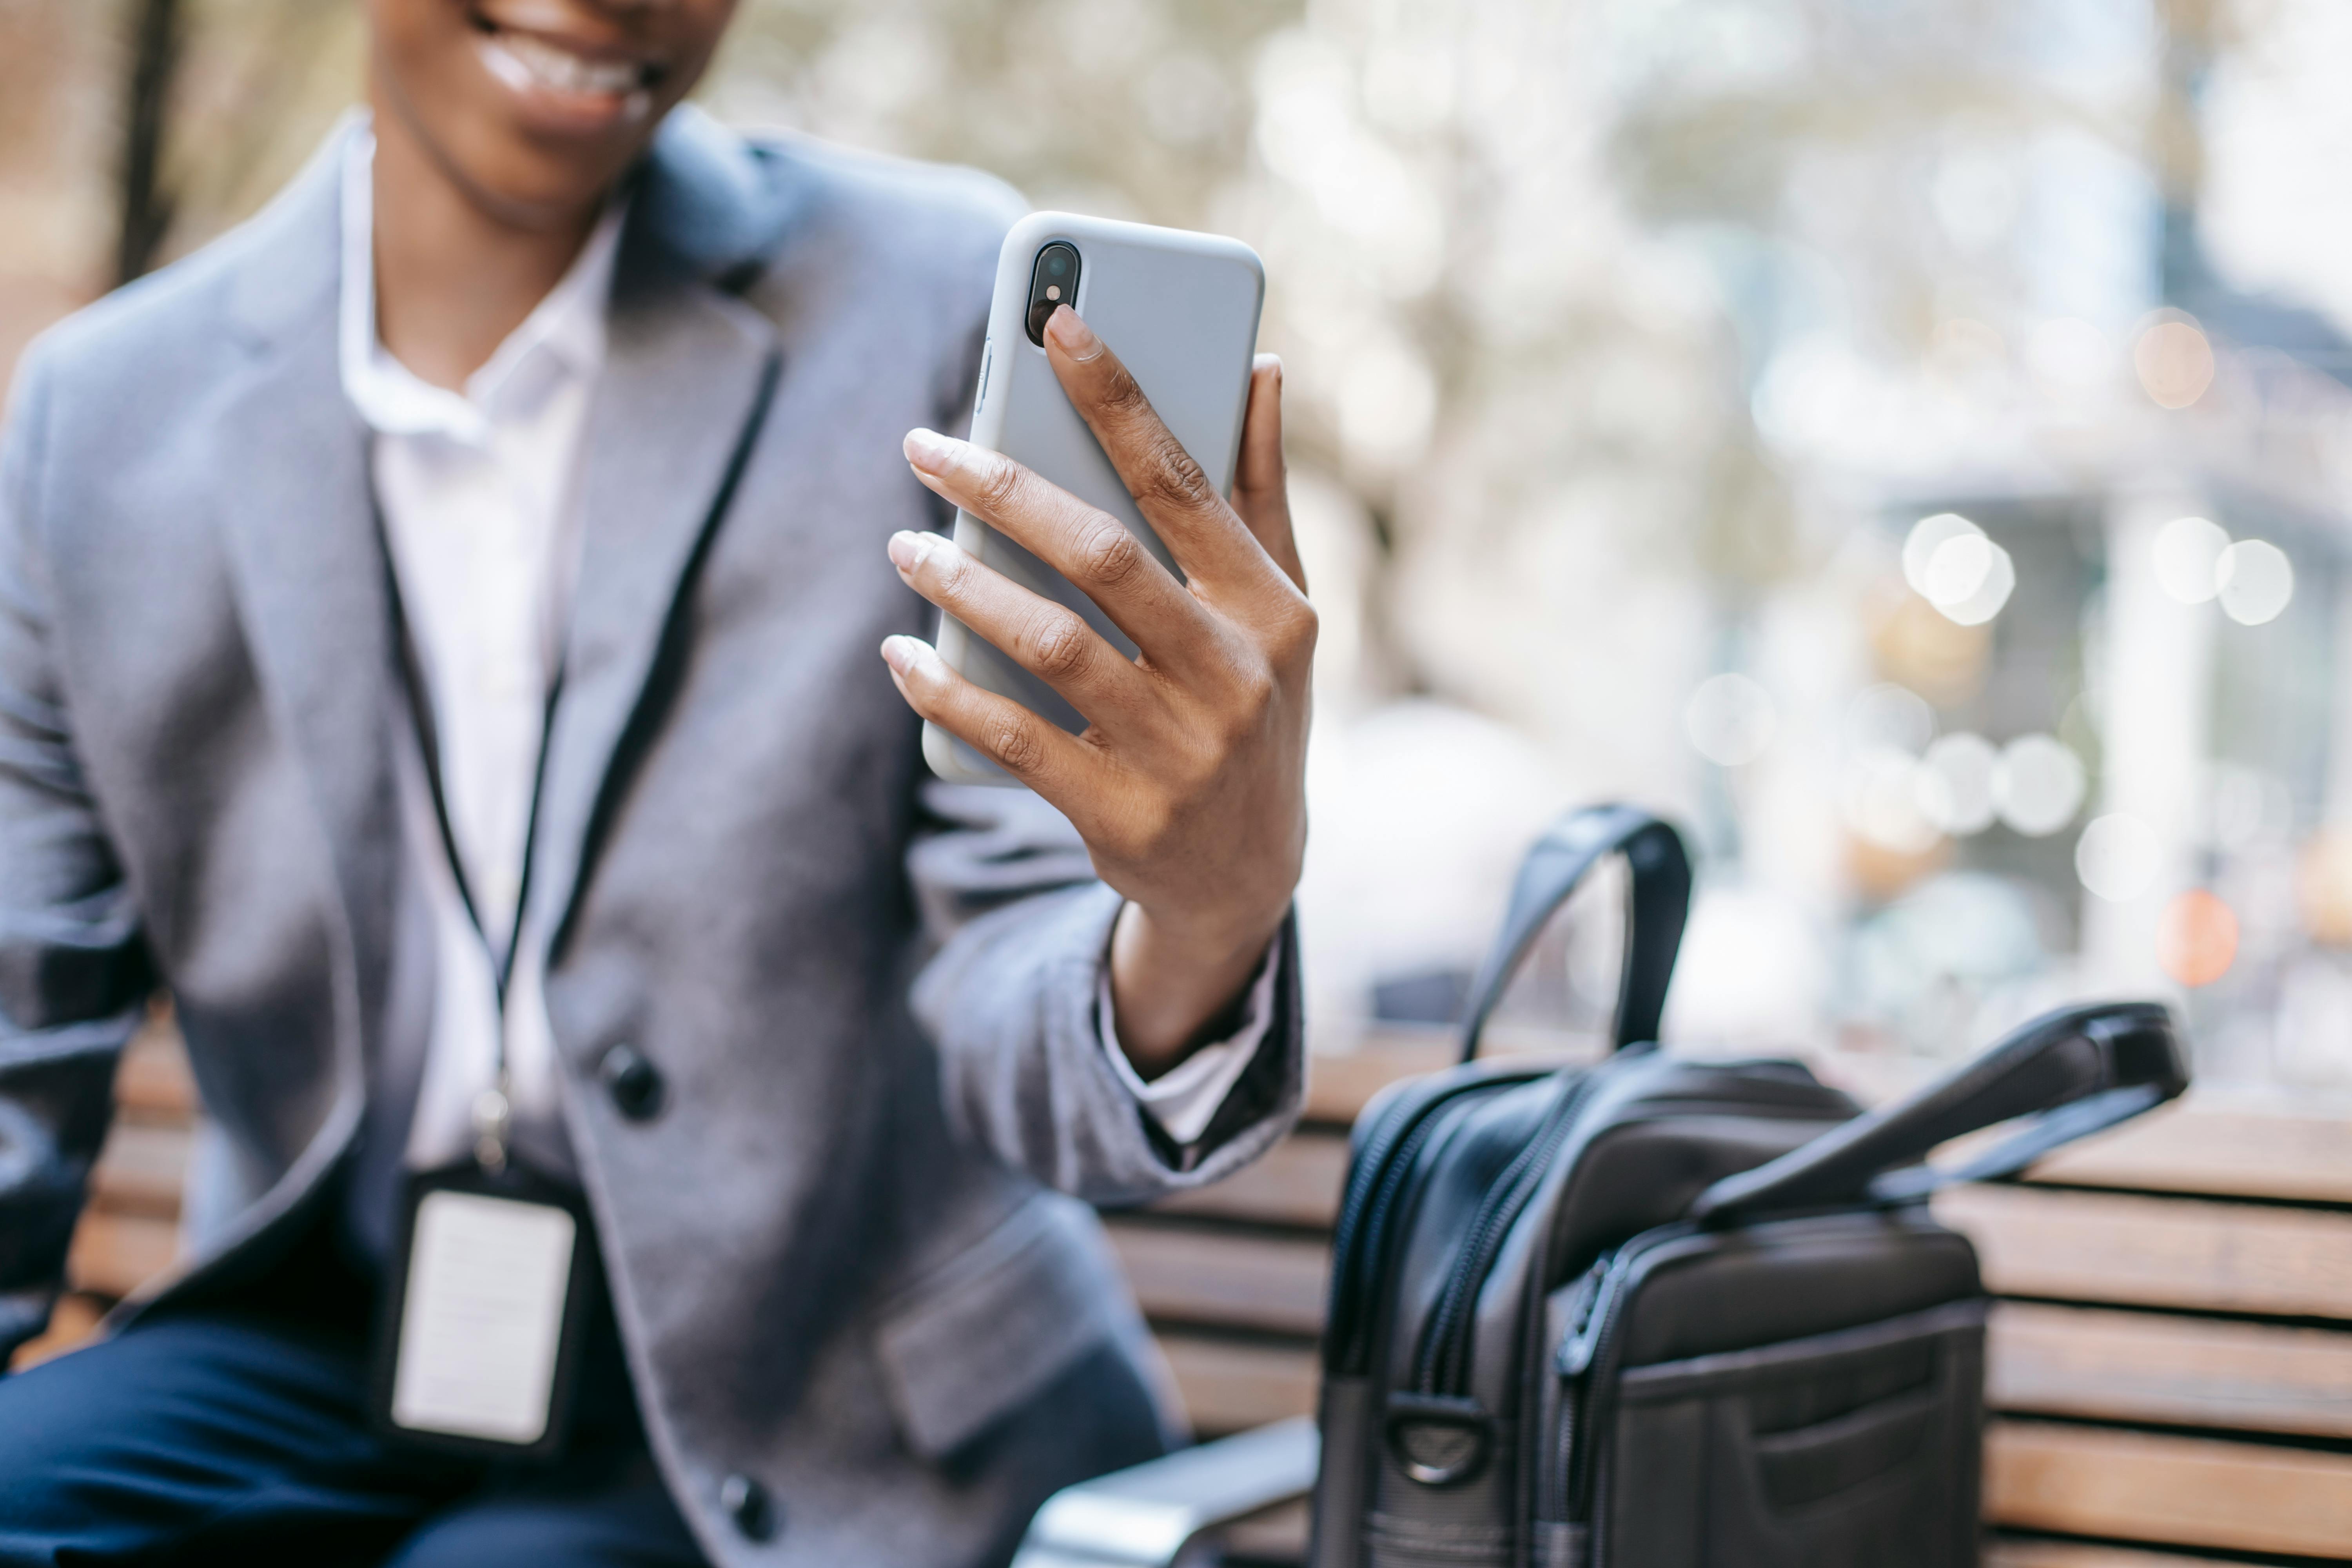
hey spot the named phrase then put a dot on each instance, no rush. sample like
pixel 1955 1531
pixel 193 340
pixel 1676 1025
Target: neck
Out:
pixel 453 278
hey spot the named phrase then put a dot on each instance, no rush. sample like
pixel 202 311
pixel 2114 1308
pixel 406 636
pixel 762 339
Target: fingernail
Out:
pixel 906 549
pixel 929 450
pixel 903 653
pixel 1070 329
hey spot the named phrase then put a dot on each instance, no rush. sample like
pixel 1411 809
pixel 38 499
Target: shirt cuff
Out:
pixel 1185 1099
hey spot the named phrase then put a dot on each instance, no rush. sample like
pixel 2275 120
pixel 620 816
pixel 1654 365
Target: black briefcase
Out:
pixel 1669 1313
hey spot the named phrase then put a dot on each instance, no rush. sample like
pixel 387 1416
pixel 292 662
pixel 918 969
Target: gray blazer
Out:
pixel 835 1259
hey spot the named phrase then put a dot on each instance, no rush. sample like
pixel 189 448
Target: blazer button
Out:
pixel 634 1083
pixel 746 1502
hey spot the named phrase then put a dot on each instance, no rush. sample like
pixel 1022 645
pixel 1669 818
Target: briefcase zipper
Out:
pixel 1443 1359
pixel 1442 1365
pixel 1375 1186
pixel 1587 1361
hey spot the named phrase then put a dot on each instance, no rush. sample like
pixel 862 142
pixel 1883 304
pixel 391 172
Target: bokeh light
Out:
pixel 2038 784
pixel 2239 806
pixel 2188 553
pixel 1955 783
pixel 1882 802
pixel 2174 363
pixel 2069 355
pixel 1970 578
pixel 2117 856
pixel 1892 716
pixel 2255 580
pixel 1928 535
pixel 1729 720
pixel 2197 938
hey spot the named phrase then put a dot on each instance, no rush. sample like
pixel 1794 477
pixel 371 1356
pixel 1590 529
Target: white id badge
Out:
pixel 482 1314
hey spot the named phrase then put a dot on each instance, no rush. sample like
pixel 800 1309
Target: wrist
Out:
pixel 1172 979
pixel 1212 939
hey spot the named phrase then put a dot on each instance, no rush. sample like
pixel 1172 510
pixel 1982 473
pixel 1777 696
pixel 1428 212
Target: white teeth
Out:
pixel 522 61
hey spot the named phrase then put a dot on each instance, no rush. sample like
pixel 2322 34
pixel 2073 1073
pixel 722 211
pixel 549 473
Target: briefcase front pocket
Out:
pixel 1853 1449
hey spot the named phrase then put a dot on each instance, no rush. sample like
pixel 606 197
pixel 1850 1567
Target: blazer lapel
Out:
pixel 688 377
pixel 303 551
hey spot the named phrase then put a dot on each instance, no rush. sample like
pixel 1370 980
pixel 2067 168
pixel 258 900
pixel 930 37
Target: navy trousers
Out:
pixel 236 1432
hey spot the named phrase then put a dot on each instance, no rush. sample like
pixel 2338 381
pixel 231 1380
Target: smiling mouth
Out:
pixel 529 62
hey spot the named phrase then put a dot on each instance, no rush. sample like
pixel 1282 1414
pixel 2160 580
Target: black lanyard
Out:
pixel 494 1108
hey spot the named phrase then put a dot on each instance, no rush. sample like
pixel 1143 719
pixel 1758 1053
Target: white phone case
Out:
pixel 1181 311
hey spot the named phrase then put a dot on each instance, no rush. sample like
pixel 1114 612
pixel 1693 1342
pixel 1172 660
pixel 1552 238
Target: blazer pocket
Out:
pixel 977 1337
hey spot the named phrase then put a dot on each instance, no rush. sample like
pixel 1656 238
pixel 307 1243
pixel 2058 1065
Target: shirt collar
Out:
pixel 566 330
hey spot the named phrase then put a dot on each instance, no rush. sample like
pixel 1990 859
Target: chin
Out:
pixel 538 106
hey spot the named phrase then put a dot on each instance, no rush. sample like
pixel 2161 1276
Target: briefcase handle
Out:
pixel 1654 926
pixel 2073 1072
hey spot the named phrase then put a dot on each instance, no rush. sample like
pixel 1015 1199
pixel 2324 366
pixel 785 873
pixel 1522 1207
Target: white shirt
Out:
pixel 479 497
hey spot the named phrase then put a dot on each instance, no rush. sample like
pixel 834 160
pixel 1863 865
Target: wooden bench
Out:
pixel 2171 1358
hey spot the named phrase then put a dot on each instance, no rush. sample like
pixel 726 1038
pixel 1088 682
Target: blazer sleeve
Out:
pixel 1023 928
pixel 74 971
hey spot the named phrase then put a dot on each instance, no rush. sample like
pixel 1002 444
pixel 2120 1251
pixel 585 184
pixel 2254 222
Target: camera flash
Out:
pixel 1053 290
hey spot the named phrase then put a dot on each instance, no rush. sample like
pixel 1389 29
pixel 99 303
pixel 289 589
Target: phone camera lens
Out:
pixel 1052 283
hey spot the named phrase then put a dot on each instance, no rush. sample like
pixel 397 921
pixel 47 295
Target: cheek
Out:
pixel 710 18
pixel 420 42
pixel 425 48
pixel 698 26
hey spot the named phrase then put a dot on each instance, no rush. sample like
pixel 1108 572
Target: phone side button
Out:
pixel 987 358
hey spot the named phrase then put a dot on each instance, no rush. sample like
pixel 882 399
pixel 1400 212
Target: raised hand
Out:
pixel 1189 783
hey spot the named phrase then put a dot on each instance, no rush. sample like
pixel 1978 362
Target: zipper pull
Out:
pixel 1594 1299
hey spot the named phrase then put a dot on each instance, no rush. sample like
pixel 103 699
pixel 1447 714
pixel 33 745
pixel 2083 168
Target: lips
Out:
pixel 545 69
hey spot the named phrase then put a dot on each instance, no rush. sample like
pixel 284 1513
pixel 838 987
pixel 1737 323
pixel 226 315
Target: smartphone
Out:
pixel 1181 311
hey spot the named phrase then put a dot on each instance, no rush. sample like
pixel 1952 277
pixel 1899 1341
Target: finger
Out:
pixel 1041 756
pixel 1261 484
pixel 1208 541
pixel 1050 641
pixel 1091 548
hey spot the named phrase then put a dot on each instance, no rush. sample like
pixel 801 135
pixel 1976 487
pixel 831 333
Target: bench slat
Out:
pixel 152 1082
pixel 2067 1554
pixel 2182 1371
pixel 1297 1183
pixel 2180 1491
pixel 141 1169
pixel 2157 1252
pixel 71 1322
pixel 114 1254
pixel 1339 1084
pixel 1269 1283
pixel 1232 1386
pixel 2193 1149
pixel 2185 1150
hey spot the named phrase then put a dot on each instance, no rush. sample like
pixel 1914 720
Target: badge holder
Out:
pixel 487 1298
pixel 486 1305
